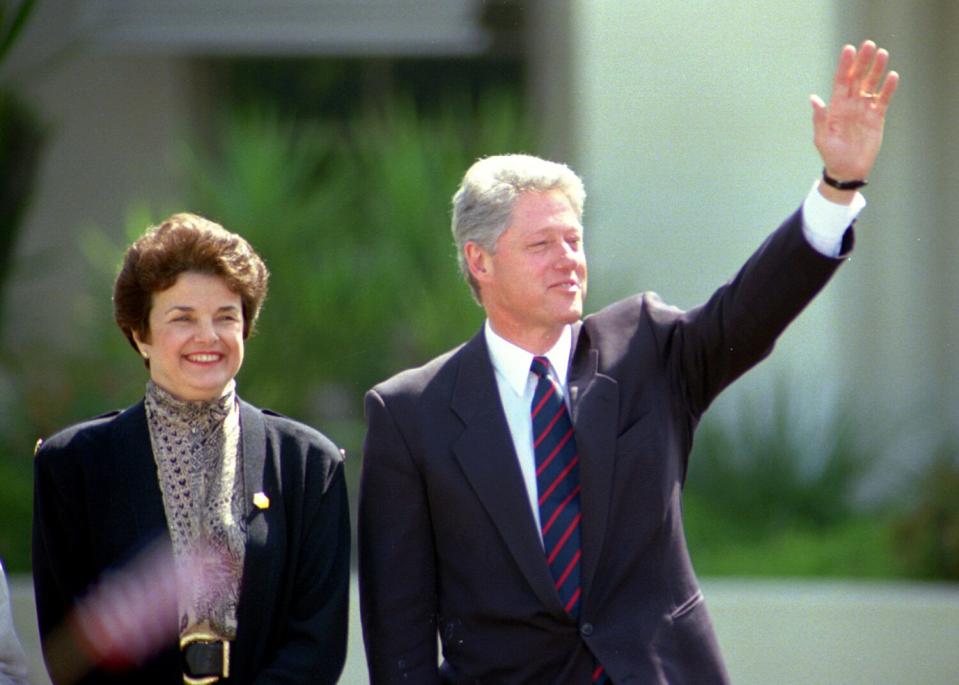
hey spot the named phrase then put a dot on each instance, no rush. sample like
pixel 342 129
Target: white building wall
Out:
pixel 693 131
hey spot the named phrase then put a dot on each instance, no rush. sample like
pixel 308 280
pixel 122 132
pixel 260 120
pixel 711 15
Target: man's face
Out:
pixel 535 281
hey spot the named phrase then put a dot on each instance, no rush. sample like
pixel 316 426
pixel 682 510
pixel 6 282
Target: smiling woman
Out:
pixel 191 536
pixel 194 345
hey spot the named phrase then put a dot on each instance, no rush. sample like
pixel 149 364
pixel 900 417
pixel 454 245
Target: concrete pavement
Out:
pixel 771 631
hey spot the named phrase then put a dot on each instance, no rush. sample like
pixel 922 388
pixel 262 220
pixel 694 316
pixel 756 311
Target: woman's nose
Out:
pixel 205 332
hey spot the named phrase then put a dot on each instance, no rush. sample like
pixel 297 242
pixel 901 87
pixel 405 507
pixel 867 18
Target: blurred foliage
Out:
pixel 927 533
pixel 12 23
pixel 21 139
pixel 341 89
pixel 16 493
pixel 354 226
pixel 353 222
pixel 351 214
pixel 773 466
pixel 775 493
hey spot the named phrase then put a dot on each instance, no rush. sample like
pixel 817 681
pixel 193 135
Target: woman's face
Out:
pixel 195 343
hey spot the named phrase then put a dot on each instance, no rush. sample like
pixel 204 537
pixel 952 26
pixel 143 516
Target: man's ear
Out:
pixel 478 261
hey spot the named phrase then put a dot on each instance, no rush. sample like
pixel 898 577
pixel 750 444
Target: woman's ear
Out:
pixel 142 346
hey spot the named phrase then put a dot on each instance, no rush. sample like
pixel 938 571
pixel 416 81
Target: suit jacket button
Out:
pixel 586 629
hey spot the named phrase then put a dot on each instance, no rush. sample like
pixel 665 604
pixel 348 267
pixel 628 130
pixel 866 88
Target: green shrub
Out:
pixel 16 497
pixel 354 226
pixel 927 534
pixel 771 466
pixel 353 222
pixel 774 492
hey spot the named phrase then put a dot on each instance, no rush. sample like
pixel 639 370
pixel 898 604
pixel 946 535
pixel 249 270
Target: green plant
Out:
pixel 927 534
pixel 21 137
pixel 354 225
pixel 16 495
pixel 774 492
pixel 771 466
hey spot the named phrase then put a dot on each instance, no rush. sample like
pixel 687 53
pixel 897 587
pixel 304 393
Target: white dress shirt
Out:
pixel 824 224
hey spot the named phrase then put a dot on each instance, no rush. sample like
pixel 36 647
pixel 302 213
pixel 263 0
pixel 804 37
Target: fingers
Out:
pixel 818 109
pixel 888 88
pixel 861 71
pixel 846 60
pixel 871 81
pixel 860 68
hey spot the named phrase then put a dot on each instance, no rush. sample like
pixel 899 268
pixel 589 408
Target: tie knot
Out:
pixel 540 366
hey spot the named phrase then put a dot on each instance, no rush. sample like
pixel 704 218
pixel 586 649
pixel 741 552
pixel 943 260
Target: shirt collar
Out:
pixel 513 362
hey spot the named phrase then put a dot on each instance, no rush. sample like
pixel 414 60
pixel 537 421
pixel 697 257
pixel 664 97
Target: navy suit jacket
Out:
pixel 447 540
pixel 98 503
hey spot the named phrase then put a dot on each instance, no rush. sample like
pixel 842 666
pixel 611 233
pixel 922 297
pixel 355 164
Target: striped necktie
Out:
pixel 557 485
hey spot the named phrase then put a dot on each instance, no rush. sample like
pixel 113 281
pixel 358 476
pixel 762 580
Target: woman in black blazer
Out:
pixel 191 537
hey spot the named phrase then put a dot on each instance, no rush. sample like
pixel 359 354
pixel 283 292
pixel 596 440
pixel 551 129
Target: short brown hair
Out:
pixel 185 242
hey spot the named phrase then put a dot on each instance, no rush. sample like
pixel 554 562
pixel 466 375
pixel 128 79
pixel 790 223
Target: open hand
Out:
pixel 848 131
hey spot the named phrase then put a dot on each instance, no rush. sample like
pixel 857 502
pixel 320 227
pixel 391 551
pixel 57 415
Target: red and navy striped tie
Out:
pixel 557 485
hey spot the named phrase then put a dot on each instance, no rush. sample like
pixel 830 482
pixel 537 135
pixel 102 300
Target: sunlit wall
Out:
pixel 692 127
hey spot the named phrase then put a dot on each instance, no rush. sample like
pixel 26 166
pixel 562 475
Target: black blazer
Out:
pixel 97 503
pixel 447 541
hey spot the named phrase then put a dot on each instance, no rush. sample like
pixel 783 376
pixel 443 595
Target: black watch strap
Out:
pixel 843 185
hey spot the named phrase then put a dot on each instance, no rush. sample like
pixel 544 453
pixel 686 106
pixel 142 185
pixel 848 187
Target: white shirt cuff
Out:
pixel 825 222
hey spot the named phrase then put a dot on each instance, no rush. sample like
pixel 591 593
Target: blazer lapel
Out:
pixel 261 562
pixel 486 454
pixel 594 399
pixel 137 498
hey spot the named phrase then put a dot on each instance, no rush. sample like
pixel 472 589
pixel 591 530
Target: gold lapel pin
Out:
pixel 261 501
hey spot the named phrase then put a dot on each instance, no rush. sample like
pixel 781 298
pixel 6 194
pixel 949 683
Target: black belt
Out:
pixel 205 658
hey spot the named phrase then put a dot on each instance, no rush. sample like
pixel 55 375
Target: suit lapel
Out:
pixel 594 398
pixel 486 454
pixel 261 563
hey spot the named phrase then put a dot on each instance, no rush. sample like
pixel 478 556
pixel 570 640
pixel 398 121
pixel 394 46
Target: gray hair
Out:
pixel 483 204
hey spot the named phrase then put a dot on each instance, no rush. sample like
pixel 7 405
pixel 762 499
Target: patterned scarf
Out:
pixel 196 446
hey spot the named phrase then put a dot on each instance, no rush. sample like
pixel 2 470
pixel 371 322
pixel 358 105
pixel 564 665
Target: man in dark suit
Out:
pixel 520 495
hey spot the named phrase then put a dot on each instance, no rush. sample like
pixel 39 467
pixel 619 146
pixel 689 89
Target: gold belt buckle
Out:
pixel 200 636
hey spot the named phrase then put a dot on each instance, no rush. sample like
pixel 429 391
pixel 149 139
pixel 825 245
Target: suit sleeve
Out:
pixel 397 564
pixel 313 637
pixel 720 340
pixel 60 568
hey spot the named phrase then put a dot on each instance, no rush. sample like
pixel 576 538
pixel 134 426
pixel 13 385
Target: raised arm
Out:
pixel 848 131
